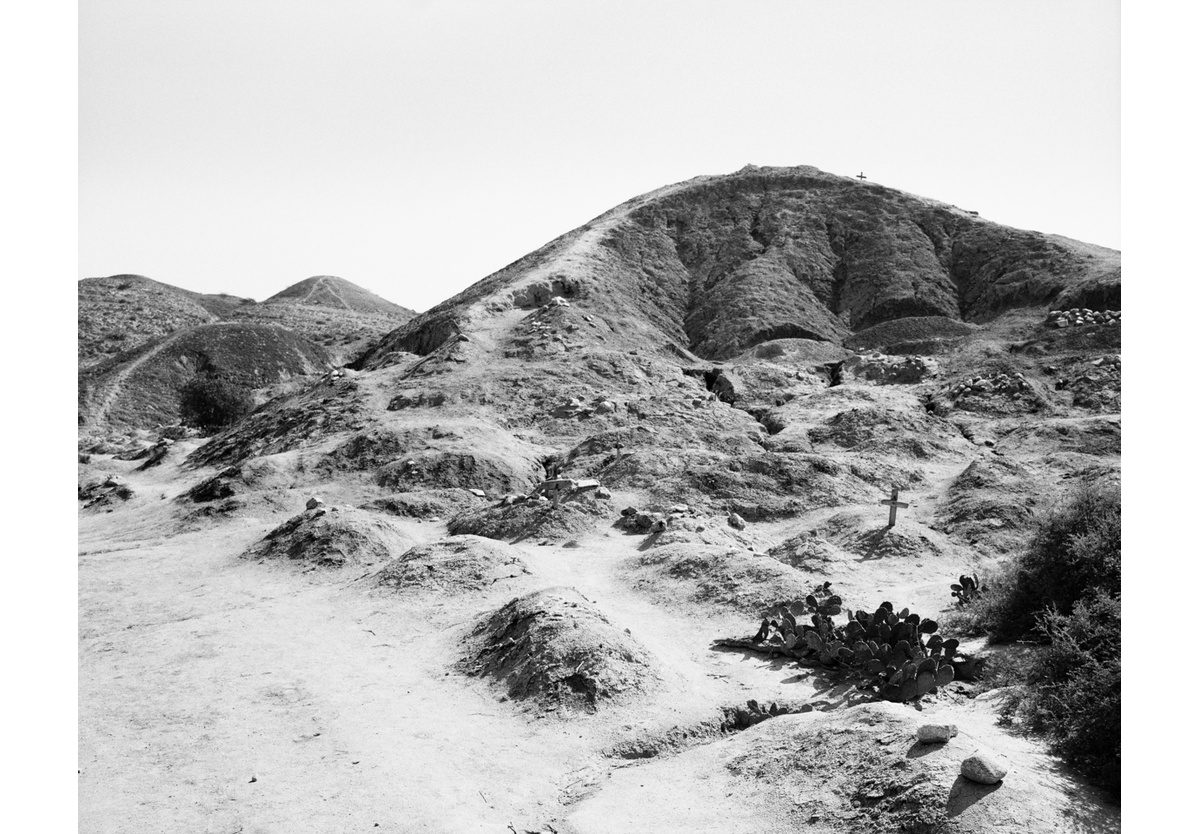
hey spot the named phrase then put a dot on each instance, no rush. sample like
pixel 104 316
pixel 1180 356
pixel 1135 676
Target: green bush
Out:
pixel 1073 689
pixel 210 403
pixel 1076 550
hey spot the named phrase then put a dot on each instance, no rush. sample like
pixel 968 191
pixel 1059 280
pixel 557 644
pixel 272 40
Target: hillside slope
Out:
pixel 718 264
pixel 121 312
pixel 140 388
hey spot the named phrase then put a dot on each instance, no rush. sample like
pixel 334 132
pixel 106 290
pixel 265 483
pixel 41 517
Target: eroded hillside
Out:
pixel 507 571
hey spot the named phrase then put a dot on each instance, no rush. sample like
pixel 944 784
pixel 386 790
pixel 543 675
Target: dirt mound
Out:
pixel 455 565
pixel 330 407
pixel 531 519
pixel 332 537
pixel 141 387
pixel 555 648
pixel 914 334
pixel 707 530
pixel 793 352
pixel 897 784
pixel 426 503
pixel 991 501
pixel 811 553
pixel 491 472
pixel 867 536
pixel 716 576
pixel 105 493
pixel 1100 437
pixel 899 432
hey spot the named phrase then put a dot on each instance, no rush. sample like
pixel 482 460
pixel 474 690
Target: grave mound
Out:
pixel 531 520
pixel 332 537
pixel 554 648
pixel 426 503
pixel 716 576
pixel 455 564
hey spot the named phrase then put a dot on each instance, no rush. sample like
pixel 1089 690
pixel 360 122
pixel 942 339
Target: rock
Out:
pixel 936 733
pixel 478 493
pixel 313 503
pixel 658 526
pixel 628 511
pixel 603 493
pixel 737 522
pixel 605 407
pixel 983 768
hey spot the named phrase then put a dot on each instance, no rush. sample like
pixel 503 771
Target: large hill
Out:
pixel 505 572
pixel 718 264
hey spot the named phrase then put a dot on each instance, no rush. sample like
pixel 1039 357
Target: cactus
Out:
pixel 896 653
pixel 967 589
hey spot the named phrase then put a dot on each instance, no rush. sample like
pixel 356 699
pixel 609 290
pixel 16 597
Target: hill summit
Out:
pixel 331 291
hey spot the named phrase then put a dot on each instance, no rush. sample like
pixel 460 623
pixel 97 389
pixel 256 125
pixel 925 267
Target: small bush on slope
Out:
pixel 1065 590
pixel 211 403
pixel 1074 688
pixel 1075 550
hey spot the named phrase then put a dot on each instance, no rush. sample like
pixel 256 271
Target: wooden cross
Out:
pixel 861 175
pixel 893 503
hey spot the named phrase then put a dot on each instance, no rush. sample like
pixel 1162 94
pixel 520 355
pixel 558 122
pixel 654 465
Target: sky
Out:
pixel 415 147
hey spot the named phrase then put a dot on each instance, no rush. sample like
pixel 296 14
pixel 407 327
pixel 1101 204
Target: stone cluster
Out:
pixel 1080 316
pixel 1000 383
pixel 557 490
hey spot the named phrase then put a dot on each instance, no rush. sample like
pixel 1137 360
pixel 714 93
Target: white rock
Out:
pixel 983 768
pixel 936 733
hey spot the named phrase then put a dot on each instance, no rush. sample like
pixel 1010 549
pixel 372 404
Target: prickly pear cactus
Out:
pixel 899 654
pixel 967 589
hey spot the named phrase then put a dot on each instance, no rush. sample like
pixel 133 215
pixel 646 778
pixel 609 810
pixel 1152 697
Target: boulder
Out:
pixel 737 522
pixel 313 503
pixel 936 733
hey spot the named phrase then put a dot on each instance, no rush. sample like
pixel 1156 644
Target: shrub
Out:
pixel 1073 688
pixel 1076 548
pixel 210 403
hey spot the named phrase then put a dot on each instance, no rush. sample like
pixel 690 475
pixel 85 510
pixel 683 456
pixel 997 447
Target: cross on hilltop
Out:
pixel 861 175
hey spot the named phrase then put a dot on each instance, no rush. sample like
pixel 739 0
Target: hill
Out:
pixel 139 388
pixel 670 420
pixel 121 312
pixel 718 264
pixel 330 311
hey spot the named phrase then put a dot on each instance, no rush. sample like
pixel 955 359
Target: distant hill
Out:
pixel 338 293
pixel 140 388
pixel 121 312
pixel 331 311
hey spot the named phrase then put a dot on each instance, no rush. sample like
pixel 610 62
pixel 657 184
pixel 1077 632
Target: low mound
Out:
pixel 141 387
pixel 287 423
pixel 716 576
pixel 557 649
pixel 531 520
pixel 867 537
pixel 1100 437
pixel 902 433
pixel 793 352
pixel 916 334
pixel 811 553
pixel 993 500
pixel 455 564
pixel 494 472
pixel 332 538
pixel 426 503
pixel 710 530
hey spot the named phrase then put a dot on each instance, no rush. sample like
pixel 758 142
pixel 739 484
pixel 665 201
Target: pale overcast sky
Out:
pixel 415 147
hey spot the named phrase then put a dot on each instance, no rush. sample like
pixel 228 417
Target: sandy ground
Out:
pixel 220 694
